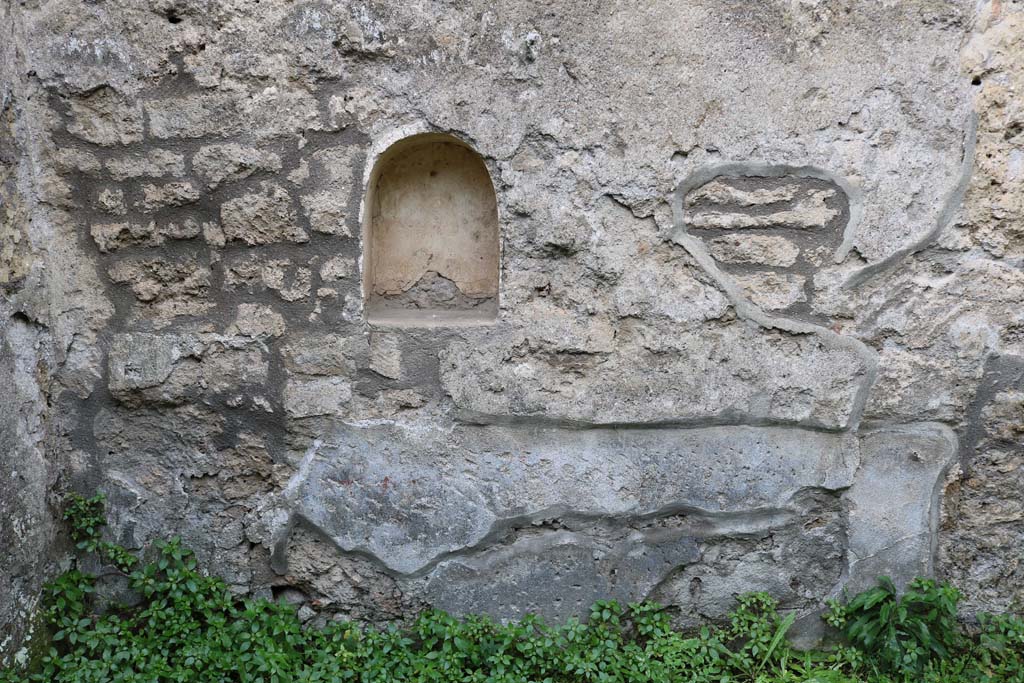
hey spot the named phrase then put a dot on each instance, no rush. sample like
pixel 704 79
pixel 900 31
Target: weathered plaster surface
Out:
pixel 758 318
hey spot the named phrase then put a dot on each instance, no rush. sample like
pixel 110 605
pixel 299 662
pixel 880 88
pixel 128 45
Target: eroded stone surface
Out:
pixel 894 503
pixel 558 370
pixel 230 162
pixel 262 218
pixel 409 496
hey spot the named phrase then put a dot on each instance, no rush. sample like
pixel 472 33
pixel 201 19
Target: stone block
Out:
pixel 111 200
pixel 327 213
pixel 337 268
pixel 106 117
pixel 766 250
pixel 734 372
pixel 321 354
pixel 153 163
pixel 314 396
pixel 265 217
pixel 559 574
pixel 164 369
pixel 894 503
pixel 230 162
pixel 171 194
pixel 254 320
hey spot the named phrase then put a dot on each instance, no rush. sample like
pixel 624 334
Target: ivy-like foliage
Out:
pixel 187 627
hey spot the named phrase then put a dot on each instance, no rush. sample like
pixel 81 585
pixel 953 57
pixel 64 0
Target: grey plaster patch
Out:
pixel 559 573
pixel 894 503
pixel 412 496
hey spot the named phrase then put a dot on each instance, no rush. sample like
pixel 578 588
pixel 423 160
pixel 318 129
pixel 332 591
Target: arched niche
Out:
pixel 430 235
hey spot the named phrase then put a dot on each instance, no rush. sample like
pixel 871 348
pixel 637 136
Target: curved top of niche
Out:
pixel 430 235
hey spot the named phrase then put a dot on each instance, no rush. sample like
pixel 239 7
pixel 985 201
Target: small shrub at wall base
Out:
pixel 188 627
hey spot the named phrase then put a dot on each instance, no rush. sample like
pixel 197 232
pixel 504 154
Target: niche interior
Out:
pixel 431 236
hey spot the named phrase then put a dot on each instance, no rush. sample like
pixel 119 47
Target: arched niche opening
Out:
pixel 430 235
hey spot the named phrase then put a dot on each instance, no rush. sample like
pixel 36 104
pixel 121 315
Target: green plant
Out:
pixel 86 518
pixel 999 653
pixel 187 627
pixel 901 634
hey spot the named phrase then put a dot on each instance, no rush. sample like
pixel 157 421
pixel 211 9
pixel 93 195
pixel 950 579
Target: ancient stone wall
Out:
pixel 751 318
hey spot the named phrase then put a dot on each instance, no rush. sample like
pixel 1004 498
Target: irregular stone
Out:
pixel 277 111
pixel 894 503
pixel 110 237
pixel 68 160
pixel 982 528
pixel 170 287
pixel 113 236
pixel 349 587
pixel 254 320
pixel 559 574
pixel 196 115
pixel 173 369
pixel 145 361
pixel 154 163
pixel 325 354
pixel 16 256
pixel 153 448
pixel 309 397
pixel 169 194
pixel 718 192
pixel 807 213
pixel 795 559
pixel 337 268
pixel 185 229
pixel 230 162
pixel 247 469
pixel 28 522
pixel 111 200
pixel 386 355
pixel 254 274
pixel 773 291
pixel 262 218
pixel 998 282
pixel 300 174
pixel 326 213
pixel 337 166
pixel 359 103
pixel 213 234
pixel 664 290
pixel 105 117
pixel 294 285
pixel 766 250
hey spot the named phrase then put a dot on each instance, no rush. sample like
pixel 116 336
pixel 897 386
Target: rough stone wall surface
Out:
pixel 760 317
